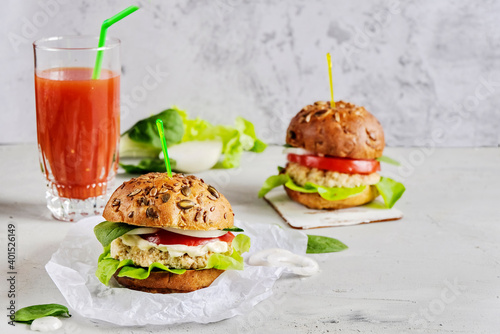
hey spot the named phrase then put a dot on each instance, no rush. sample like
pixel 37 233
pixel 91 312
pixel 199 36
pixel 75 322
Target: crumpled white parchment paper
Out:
pixel 72 268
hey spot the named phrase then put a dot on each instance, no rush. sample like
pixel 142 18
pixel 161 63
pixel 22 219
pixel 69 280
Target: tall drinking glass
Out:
pixel 78 122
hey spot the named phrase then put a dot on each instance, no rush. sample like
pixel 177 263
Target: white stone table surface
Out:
pixel 435 271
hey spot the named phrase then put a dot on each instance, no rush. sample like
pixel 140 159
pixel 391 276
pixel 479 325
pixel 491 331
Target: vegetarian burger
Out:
pixel 333 157
pixel 166 235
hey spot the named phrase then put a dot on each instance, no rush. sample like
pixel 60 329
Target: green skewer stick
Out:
pixel 102 37
pixel 159 125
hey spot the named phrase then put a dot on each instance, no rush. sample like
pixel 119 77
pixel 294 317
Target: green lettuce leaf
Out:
pixel 235 140
pixel 241 244
pixel 129 270
pixel 106 269
pixel 248 138
pixel 335 194
pixel 272 182
pixel 388 160
pixel 331 194
pixel 107 266
pixel 390 190
pixel 30 313
pixel 319 244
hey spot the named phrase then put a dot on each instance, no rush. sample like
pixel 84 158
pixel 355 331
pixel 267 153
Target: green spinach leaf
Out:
pixel 147 165
pixel 106 231
pixel 30 313
pixel 143 140
pixel 319 244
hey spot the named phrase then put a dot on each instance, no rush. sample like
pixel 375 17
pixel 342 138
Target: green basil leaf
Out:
pixel 388 160
pixel 390 190
pixel 319 244
pixel 147 165
pixel 233 229
pixel 273 182
pixel 30 313
pixel 287 145
pixel 106 231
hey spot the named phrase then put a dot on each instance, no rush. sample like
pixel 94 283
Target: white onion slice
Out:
pixel 277 257
pixel 297 150
pixel 143 230
pixel 195 156
pixel 196 234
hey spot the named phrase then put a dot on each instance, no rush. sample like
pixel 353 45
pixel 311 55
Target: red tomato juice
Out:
pixel 78 121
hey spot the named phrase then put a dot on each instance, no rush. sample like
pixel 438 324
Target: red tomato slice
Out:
pixel 341 165
pixel 163 237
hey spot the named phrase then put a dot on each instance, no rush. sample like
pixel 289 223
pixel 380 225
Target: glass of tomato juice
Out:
pixel 78 122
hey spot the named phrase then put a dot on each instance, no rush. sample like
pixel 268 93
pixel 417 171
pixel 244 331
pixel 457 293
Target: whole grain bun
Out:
pixel 155 200
pixel 348 131
pixel 166 282
pixel 315 201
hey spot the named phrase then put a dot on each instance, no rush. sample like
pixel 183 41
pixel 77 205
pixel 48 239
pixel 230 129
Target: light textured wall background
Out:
pixel 429 70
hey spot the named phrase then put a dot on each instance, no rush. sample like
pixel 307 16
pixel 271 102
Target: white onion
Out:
pixel 197 234
pixel 191 233
pixel 277 257
pixel 297 150
pixel 195 156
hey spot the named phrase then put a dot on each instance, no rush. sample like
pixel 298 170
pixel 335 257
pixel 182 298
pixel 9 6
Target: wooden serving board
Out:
pixel 298 216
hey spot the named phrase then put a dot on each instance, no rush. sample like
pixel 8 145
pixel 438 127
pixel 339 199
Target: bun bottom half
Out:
pixel 315 201
pixel 166 282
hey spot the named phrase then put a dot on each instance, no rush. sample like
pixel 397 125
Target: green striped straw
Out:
pixel 102 37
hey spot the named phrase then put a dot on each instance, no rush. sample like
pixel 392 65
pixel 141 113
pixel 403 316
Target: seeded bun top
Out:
pixel 155 200
pixel 347 131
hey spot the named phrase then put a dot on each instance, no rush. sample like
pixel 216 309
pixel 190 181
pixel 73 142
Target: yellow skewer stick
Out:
pixel 329 59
